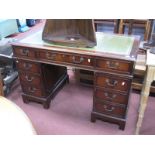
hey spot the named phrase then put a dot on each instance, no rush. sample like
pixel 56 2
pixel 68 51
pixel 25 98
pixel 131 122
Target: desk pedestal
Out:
pixel 40 82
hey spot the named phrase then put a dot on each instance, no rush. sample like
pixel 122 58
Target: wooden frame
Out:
pixel 130 23
pixel 114 22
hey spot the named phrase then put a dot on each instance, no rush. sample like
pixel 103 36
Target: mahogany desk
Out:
pixel 42 71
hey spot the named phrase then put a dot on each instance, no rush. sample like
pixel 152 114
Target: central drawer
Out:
pixel 80 60
pixel 73 59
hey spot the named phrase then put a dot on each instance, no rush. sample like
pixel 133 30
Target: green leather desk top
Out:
pixel 107 43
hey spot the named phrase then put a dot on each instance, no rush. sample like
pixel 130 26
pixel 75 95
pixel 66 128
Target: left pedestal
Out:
pixel 40 82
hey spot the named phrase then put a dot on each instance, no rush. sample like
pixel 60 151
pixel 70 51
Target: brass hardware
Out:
pixel 63 56
pixel 25 52
pixel 51 56
pixel 77 62
pixel 32 89
pixel 111 82
pixel 110 95
pixel 29 78
pixel 112 64
pixel 27 65
pixel 108 109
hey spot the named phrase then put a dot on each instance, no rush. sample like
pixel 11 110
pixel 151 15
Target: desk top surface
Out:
pixel 107 44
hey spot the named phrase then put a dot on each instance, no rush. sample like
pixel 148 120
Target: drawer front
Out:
pixel 48 55
pixel 118 66
pixel 111 96
pixel 79 60
pixel 112 82
pixel 33 90
pixel 24 52
pixel 67 58
pixel 30 78
pixel 109 109
pixel 28 66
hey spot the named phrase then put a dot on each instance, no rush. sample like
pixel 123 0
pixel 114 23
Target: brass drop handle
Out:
pixel 76 61
pixel 32 89
pixel 111 83
pixel 109 95
pixel 28 78
pixel 27 66
pixel 112 64
pixel 50 56
pixel 108 109
pixel 25 52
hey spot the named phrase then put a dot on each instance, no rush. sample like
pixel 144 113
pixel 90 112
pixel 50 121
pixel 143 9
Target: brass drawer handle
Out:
pixel 50 56
pixel 28 78
pixel 111 82
pixel 25 52
pixel 112 65
pixel 110 95
pixel 27 66
pixel 32 89
pixel 108 109
pixel 78 62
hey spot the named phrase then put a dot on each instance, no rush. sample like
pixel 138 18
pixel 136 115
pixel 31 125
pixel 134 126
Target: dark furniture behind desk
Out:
pixel 113 72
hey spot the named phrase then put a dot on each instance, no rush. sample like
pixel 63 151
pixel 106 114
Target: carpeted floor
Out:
pixel 69 113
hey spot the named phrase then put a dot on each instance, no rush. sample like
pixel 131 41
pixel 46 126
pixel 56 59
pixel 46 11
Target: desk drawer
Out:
pixel 50 55
pixel 33 90
pixel 111 96
pixel 109 109
pixel 67 58
pixel 118 66
pixel 79 60
pixel 24 52
pixel 28 66
pixel 30 78
pixel 112 82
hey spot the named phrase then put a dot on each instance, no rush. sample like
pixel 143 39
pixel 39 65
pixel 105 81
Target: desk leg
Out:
pixel 144 96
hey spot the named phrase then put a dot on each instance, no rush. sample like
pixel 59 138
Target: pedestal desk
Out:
pixel 42 70
pixel 149 78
